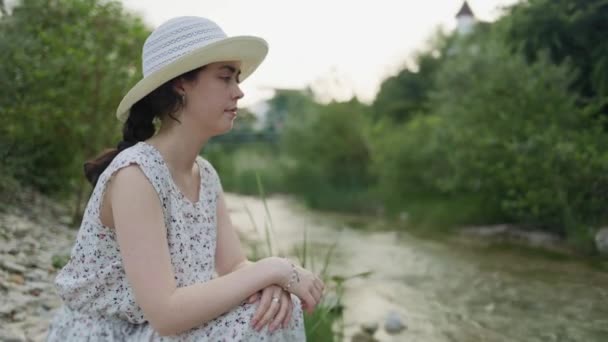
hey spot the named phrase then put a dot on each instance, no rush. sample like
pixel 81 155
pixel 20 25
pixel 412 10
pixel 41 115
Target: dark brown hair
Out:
pixel 164 100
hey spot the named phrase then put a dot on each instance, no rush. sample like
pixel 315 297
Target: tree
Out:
pixel 329 155
pixel 287 102
pixel 513 135
pixel 569 30
pixel 65 66
pixel 406 94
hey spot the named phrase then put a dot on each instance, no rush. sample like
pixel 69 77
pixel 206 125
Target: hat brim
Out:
pixel 250 51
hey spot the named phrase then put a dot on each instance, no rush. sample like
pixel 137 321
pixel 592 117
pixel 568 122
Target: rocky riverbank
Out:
pixel 534 238
pixel 35 240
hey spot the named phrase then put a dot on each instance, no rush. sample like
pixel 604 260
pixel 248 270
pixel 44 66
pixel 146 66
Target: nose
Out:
pixel 238 94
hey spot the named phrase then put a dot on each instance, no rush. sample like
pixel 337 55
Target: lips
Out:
pixel 231 111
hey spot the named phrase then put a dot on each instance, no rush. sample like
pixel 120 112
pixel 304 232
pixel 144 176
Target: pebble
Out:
pixel 393 323
pixel 31 235
pixel 12 267
pixel 369 327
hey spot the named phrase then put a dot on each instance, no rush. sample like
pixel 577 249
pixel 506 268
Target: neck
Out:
pixel 179 146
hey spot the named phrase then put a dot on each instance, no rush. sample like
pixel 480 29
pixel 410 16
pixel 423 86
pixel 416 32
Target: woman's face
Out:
pixel 211 99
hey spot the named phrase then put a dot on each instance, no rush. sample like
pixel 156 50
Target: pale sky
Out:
pixel 324 42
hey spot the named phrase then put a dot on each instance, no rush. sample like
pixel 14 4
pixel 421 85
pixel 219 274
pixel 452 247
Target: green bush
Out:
pixel 329 157
pixel 516 137
pixel 565 30
pixel 239 166
pixel 62 75
pixel 506 135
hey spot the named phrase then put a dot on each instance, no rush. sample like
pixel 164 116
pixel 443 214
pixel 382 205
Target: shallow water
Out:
pixel 443 290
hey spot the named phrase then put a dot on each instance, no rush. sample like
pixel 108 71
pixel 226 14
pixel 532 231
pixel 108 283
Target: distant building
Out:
pixel 466 19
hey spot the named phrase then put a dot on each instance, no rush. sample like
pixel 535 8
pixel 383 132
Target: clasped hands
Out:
pixel 275 306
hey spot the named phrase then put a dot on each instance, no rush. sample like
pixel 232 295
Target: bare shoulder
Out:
pixel 131 184
pixel 129 173
pixel 128 178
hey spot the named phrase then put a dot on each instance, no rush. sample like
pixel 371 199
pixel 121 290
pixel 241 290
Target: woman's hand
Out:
pixel 304 284
pixel 274 307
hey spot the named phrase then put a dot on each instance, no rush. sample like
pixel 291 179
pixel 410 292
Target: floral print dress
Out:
pixel 99 304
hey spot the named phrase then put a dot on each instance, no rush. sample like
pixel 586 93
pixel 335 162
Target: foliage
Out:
pixel 59 260
pixel 329 156
pixel 238 166
pixel 285 104
pixel 66 65
pixel 519 138
pixel 508 134
pixel 569 30
pixel 406 94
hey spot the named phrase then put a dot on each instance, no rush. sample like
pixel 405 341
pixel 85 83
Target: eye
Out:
pixel 228 79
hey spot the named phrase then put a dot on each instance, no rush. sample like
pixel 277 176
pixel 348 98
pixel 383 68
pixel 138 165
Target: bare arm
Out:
pixel 230 258
pixel 141 234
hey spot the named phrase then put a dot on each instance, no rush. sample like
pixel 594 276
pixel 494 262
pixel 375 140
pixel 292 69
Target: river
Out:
pixel 444 290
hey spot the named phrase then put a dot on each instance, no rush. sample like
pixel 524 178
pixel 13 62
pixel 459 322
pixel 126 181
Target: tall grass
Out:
pixel 326 322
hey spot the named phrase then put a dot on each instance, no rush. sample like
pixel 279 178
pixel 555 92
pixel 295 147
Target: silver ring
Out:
pixel 275 299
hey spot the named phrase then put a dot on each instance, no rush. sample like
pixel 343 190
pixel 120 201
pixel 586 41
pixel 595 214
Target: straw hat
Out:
pixel 186 43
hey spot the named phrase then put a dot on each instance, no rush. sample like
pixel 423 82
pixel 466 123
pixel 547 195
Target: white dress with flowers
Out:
pixel 98 301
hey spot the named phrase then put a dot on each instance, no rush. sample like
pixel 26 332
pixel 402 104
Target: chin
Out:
pixel 224 130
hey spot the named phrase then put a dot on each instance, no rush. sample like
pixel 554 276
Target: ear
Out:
pixel 179 85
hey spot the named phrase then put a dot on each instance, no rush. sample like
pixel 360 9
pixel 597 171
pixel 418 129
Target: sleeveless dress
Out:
pixel 98 302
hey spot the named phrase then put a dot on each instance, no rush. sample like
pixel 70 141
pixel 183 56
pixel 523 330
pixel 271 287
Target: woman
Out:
pixel 156 257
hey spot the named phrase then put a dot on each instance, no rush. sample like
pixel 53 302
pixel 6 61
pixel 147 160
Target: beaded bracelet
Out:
pixel 295 277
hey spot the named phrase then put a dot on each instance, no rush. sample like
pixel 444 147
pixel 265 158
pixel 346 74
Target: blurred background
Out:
pixel 444 163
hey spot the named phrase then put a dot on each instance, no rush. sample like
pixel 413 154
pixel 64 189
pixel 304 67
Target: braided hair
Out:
pixel 139 126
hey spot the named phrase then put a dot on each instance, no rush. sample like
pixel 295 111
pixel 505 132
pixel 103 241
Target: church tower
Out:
pixel 466 19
